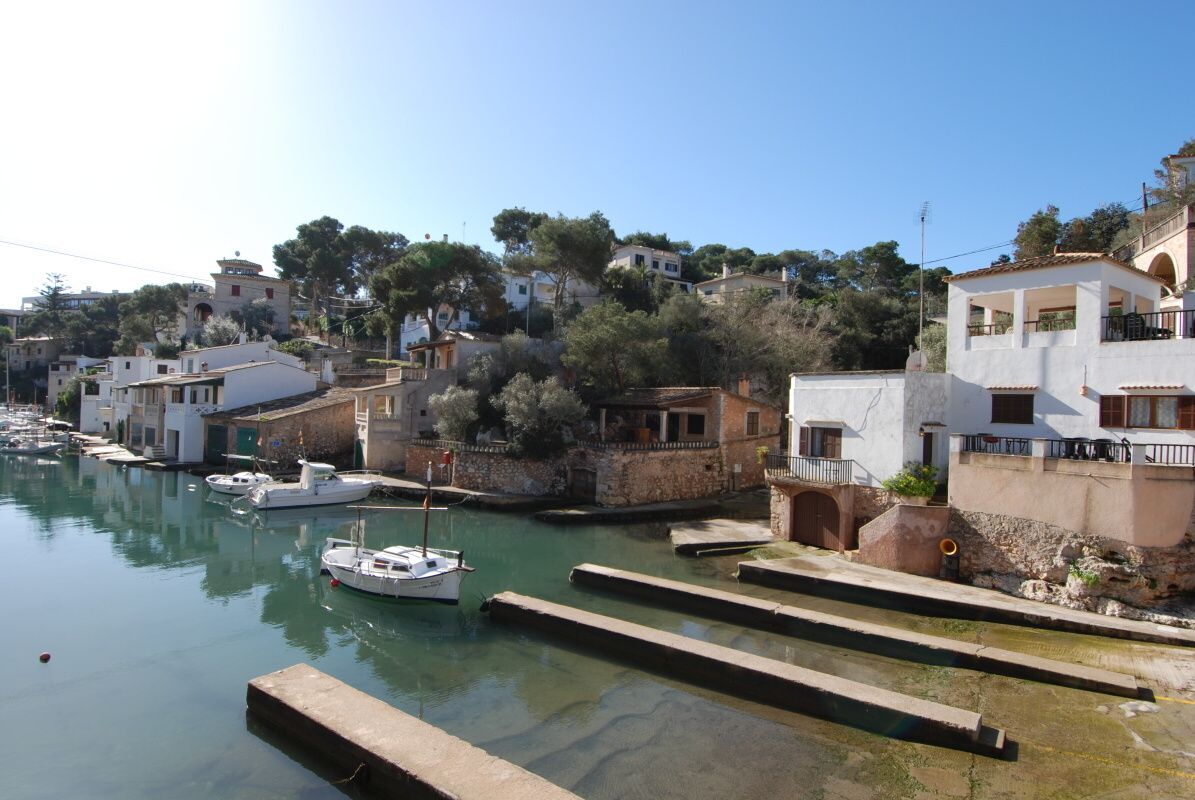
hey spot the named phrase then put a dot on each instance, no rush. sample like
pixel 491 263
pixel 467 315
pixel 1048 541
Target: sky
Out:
pixel 166 135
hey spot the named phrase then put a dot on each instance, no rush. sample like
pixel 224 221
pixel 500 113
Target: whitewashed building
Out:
pixel 663 264
pixel 62 370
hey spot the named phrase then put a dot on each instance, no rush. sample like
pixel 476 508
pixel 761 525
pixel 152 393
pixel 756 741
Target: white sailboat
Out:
pixel 399 572
pixel 318 485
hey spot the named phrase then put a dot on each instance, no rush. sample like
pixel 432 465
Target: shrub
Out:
pixel 537 413
pixel 299 348
pixel 915 480
pixel 455 410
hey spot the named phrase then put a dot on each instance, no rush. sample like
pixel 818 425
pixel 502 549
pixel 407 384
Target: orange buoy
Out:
pixel 949 547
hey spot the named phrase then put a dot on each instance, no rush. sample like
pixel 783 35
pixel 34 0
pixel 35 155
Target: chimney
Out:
pixel 725 270
pixel 445 238
pixel 744 386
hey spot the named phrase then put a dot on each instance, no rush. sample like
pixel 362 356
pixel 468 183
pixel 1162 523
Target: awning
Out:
pixel 1013 388
pixel 1152 387
pixel 824 423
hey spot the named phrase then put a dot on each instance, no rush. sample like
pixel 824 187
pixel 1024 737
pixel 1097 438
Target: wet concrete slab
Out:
pixel 833 576
pixel 723 535
pixel 755 677
pixel 851 633
pixel 383 749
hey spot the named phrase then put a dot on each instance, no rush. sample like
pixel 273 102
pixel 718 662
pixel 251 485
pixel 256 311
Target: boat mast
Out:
pixel 427 504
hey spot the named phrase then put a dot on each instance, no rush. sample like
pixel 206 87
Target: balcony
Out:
pixel 700 444
pixel 1081 449
pixel 811 469
pixel 1152 326
pixel 1168 227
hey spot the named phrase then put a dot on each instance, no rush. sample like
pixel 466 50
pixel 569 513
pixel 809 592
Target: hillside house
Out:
pixel 236 283
pixel 719 290
pixel 389 415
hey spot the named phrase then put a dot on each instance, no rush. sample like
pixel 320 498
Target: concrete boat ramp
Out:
pixel 835 577
pixel 383 749
pixel 718 536
pixel 850 633
pixel 756 677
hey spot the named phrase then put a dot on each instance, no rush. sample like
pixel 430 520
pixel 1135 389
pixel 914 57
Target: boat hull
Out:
pixel 343 564
pixel 266 498
pixel 220 483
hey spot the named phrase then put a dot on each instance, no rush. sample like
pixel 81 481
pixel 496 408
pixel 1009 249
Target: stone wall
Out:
pixel 740 448
pixel 328 434
pixel 905 538
pixel 492 472
pixel 1042 561
pixel 635 477
pixel 866 503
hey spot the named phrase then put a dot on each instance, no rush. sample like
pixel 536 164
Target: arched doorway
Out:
pixel 201 313
pixel 1163 267
pixel 815 520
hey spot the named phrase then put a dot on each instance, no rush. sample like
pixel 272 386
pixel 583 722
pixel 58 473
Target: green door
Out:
pixel 217 443
pixel 246 441
pixel 358 456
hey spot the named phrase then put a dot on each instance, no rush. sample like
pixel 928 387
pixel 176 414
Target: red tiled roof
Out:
pixel 1042 262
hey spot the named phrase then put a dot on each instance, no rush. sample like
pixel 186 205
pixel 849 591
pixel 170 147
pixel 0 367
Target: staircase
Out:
pixel 154 452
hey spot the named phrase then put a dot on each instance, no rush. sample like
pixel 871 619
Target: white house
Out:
pixel 877 421
pixel 718 290
pixel 664 264
pixel 62 370
pixel 187 397
pixel 1069 345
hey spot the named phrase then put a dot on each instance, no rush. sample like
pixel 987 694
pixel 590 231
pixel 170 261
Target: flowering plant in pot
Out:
pixel 914 484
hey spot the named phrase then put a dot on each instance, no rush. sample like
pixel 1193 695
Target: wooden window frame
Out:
pixel 1006 412
pixel 752 417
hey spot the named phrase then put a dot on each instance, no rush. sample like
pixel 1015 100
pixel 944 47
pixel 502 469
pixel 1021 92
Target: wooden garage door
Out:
pixel 815 520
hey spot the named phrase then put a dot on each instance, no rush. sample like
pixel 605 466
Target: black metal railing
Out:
pixel 996 445
pixel 690 445
pixel 1089 450
pixel 811 469
pixel 1045 325
pixel 994 329
pixel 1141 327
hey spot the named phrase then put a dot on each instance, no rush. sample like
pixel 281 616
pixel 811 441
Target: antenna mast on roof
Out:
pixel 925 217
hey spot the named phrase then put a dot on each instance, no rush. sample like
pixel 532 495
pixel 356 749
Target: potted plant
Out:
pixel 915 484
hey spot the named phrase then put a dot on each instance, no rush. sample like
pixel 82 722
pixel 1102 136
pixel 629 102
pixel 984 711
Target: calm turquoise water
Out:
pixel 159 604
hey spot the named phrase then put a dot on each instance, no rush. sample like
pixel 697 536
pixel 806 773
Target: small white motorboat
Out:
pixel 399 572
pixel 238 483
pixel 318 485
pixel 30 447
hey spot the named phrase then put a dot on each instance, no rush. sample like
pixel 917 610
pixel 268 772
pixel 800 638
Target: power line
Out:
pixel 97 260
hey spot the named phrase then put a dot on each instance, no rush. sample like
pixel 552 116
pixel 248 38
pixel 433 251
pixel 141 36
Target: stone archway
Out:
pixel 201 313
pixel 1162 267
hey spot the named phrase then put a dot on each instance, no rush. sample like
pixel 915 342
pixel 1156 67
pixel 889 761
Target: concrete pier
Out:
pixel 851 633
pixel 832 576
pixel 723 536
pixel 382 748
pixel 755 677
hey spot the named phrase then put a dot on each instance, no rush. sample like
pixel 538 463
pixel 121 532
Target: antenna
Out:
pixel 926 216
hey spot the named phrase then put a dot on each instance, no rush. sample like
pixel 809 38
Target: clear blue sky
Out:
pixel 168 136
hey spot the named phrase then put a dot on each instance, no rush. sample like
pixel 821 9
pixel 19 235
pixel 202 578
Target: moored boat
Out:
pixel 319 485
pixel 238 483
pixel 400 572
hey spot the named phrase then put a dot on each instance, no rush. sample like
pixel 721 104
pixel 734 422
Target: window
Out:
pixel 128 365
pixel 1147 411
pixel 161 369
pixel 820 442
pixel 670 267
pixel 639 260
pixel 695 425
pixel 753 423
pixel 1014 409
pixel 269 294
pixel 522 288
pixel 235 290
pixel 655 264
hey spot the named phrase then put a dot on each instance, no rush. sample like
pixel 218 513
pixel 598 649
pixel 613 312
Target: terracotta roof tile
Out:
pixel 1042 262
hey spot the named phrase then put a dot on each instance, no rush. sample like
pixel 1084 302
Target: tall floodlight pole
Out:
pixel 921 282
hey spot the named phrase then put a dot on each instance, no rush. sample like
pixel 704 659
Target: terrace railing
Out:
pixel 1154 325
pixel 689 445
pixel 995 329
pixel 811 469
pixel 1089 450
pixel 996 445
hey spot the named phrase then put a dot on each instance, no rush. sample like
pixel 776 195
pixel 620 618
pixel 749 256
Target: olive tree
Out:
pixel 456 411
pixel 536 414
